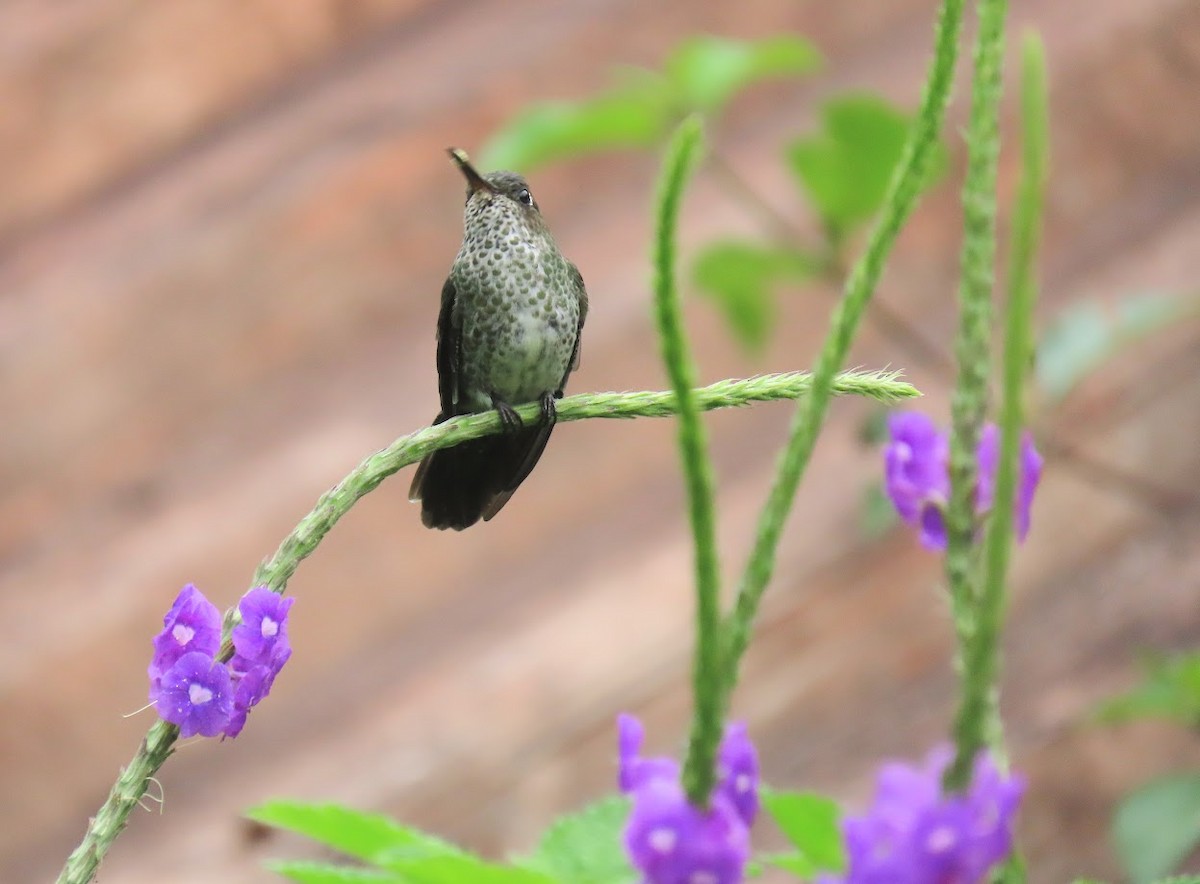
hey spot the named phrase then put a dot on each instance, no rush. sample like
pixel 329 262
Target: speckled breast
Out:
pixel 519 314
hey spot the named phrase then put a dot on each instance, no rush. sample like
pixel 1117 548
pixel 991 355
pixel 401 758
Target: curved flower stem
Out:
pixel 275 572
pixel 902 195
pixel 156 747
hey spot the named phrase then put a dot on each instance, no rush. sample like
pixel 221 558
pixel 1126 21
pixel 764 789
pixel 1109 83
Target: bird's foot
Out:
pixel 549 410
pixel 510 421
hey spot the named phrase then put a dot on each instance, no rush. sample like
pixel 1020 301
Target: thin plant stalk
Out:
pixel 969 403
pixel 905 187
pixel 699 768
pixel 976 723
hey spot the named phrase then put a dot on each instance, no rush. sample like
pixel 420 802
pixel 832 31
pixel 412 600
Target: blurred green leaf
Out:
pixel 636 112
pixel 702 73
pixel 1157 826
pixel 323 873
pixel 365 836
pixel 463 869
pixel 585 847
pixel 810 823
pixel 707 71
pixel 1171 689
pixel 846 167
pixel 796 863
pixel 740 277
pixel 1086 335
pixel 873 431
pixel 877 513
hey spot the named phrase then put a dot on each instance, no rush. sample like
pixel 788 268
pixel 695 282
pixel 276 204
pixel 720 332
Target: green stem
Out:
pixel 968 406
pixel 975 724
pixel 905 187
pixel 699 770
pixel 133 781
pixel 113 815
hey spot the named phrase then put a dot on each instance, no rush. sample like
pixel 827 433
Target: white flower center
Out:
pixel 182 633
pixel 269 627
pixel 703 876
pixel 662 840
pixel 742 783
pixel 941 839
pixel 199 694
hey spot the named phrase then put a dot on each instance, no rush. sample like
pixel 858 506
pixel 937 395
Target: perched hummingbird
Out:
pixel 508 333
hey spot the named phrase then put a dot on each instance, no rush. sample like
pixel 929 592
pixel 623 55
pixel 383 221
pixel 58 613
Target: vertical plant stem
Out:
pixel 968 407
pixel 981 654
pixel 699 768
pixel 902 194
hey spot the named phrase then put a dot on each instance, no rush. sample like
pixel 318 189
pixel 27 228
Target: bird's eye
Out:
pixel 525 198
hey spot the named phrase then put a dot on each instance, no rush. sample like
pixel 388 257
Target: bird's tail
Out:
pixel 473 480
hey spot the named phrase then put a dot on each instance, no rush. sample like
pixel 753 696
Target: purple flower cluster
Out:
pixel 668 840
pixel 190 688
pixel 917 475
pixel 916 834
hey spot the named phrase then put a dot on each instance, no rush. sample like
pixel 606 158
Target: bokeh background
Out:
pixel 223 229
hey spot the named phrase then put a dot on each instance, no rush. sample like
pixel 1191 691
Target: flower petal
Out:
pixel 197 695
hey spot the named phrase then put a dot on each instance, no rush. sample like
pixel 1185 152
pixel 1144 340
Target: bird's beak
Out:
pixel 475 181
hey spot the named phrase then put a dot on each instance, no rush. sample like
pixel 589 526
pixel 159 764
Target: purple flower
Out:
pixel 261 648
pixel 917 475
pixel 190 689
pixel 196 693
pixel 1029 473
pixel 634 771
pixel 192 624
pixel 261 638
pixel 915 834
pixel 737 764
pixel 669 840
pixel 251 687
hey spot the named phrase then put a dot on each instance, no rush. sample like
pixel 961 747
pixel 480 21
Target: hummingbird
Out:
pixel 508 333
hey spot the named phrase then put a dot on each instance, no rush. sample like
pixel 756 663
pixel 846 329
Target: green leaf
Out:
pixel 740 276
pixel 1171 689
pixel 873 430
pixel 1087 335
pixel 462 869
pixel 323 873
pixel 365 836
pixel 798 864
pixel 707 71
pixel 810 823
pixel 845 168
pixel 636 112
pixel 1157 826
pixel 585 847
pixel 877 514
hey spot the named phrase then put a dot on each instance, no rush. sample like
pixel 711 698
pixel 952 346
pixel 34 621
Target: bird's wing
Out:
pixel 449 351
pixel 581 293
